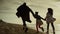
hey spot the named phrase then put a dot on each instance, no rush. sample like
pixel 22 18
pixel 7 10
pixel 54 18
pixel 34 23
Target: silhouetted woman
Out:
pixel 49 19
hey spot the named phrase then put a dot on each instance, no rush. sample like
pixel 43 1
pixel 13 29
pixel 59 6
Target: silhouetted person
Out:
pixel 49 19
pixel 39 22
pixel 23 12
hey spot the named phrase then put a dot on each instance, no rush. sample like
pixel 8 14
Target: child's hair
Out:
pixel 50 10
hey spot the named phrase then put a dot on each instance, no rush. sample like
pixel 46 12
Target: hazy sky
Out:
pixel 8 9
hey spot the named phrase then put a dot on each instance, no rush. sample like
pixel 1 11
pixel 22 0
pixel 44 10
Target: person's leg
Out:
pixel 37 27
pixel 47 28
pixel 41 28
pixel 53 28
pixel 24 26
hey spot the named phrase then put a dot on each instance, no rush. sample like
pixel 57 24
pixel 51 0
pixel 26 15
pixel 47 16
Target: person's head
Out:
pixel 50 10
pixel 24 3
pixel 36 13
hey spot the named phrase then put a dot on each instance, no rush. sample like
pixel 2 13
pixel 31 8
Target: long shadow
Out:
pixel 8 28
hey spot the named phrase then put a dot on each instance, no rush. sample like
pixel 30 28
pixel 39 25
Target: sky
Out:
pixel 8 9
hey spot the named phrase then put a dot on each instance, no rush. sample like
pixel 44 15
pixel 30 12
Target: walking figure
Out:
pixel 23 12
pixel 39 22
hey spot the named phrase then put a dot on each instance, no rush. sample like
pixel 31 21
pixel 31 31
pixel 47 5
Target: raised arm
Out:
pixel 32 13
pixel 42 18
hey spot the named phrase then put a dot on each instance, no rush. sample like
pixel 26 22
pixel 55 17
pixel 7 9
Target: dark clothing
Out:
pixel 23 11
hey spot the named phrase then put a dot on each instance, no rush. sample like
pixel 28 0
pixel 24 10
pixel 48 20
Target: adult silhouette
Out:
pixel 23 12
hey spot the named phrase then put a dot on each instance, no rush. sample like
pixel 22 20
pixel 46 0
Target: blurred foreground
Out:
pixel 7 28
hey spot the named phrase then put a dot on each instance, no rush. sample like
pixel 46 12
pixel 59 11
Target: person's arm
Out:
pixel 42 18
pixel 32 12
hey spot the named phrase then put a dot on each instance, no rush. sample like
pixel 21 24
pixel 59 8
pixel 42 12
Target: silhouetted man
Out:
pixel 23 12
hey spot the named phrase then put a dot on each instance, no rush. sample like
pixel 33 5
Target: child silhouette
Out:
pixel 38 21
pixel 50 19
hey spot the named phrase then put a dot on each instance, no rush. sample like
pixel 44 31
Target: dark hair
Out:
pixel 50 11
